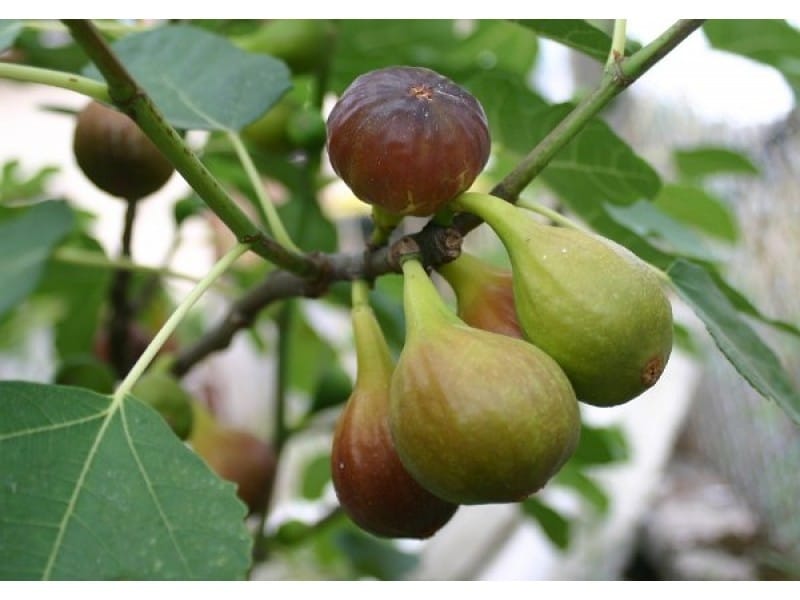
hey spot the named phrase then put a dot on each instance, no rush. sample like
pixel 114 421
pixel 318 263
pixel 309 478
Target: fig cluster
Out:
pixel 482 404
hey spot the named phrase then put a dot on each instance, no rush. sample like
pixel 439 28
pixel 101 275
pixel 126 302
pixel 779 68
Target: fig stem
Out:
pixel 172 323
pixel 68 81
pixel 89 258
pixel 265 205
pixel 551 214
pixel 131 99
pixel 121 309
pixel 617 52
pixel 359 293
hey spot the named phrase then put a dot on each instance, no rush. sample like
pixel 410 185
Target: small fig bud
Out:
pixel 116 155
pixel 476 417
pixel 591 304
pixel 372 485
pixel 407 139
pixel 485 294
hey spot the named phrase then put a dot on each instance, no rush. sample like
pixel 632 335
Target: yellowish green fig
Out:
pixel 476 417
pixel 588 302
pixel 373 486
pixel 485 294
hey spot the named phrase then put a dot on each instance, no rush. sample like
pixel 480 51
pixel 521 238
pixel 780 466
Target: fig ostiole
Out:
pixel 591 304
pixel 372 485
pixel 477 417
pixel 407 139
pixel 484 293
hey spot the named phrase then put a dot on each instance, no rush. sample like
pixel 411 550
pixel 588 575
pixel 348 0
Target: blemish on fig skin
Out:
pixel 652 370
pixel 421 92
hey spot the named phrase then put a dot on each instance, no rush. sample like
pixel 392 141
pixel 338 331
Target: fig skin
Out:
pixel 407 139
pixel 476 417
pixel 116 155
pixel 373 486
pixel 591 304
pixel 237 456
pixel 485 294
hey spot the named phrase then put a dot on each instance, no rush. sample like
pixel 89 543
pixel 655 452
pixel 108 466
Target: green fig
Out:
pixel 166 395
pixel 373 487
pixel 86 371
pixel 236 455
pixel 476 417
pixel 591 304
pixel 485 294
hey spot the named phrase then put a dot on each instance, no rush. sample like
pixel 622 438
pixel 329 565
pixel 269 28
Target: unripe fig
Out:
pixel 116 155
pixel 407 139
pixel 476 417
pixel 270 131
pixel 485 294
pixel 591 304
pixel 88 372
pixel 166 395
pixel 303 44
pixel 373 487
pixel 236 455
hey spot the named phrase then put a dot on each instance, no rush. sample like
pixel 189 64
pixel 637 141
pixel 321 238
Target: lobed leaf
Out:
pixel 92 490
pixel 740 344
pixel 200 80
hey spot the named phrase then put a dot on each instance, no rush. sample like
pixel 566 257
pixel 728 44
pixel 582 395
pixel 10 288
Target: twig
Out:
pixel 130 98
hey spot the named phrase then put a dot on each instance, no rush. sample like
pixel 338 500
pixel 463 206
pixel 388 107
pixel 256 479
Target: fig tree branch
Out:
pixel 129 97
pixel 375 262
pixel 617 77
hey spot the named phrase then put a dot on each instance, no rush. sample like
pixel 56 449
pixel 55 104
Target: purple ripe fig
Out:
pixel 588 302
pixel 485 294
pixel 407 139
pixel 373 487
pixel 476 417
pixel 116 155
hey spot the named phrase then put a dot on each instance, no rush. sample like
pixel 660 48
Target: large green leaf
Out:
pixel 200 80
pixel 649 221
pixel 578 34
pixel 597 166
pixel 443 45
pixel 712 160
pixel 770 41
pixel 9 30
pixel 512 109
pixel 97 490
pixel 699 209
pixel 27 237
pixel 740 344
